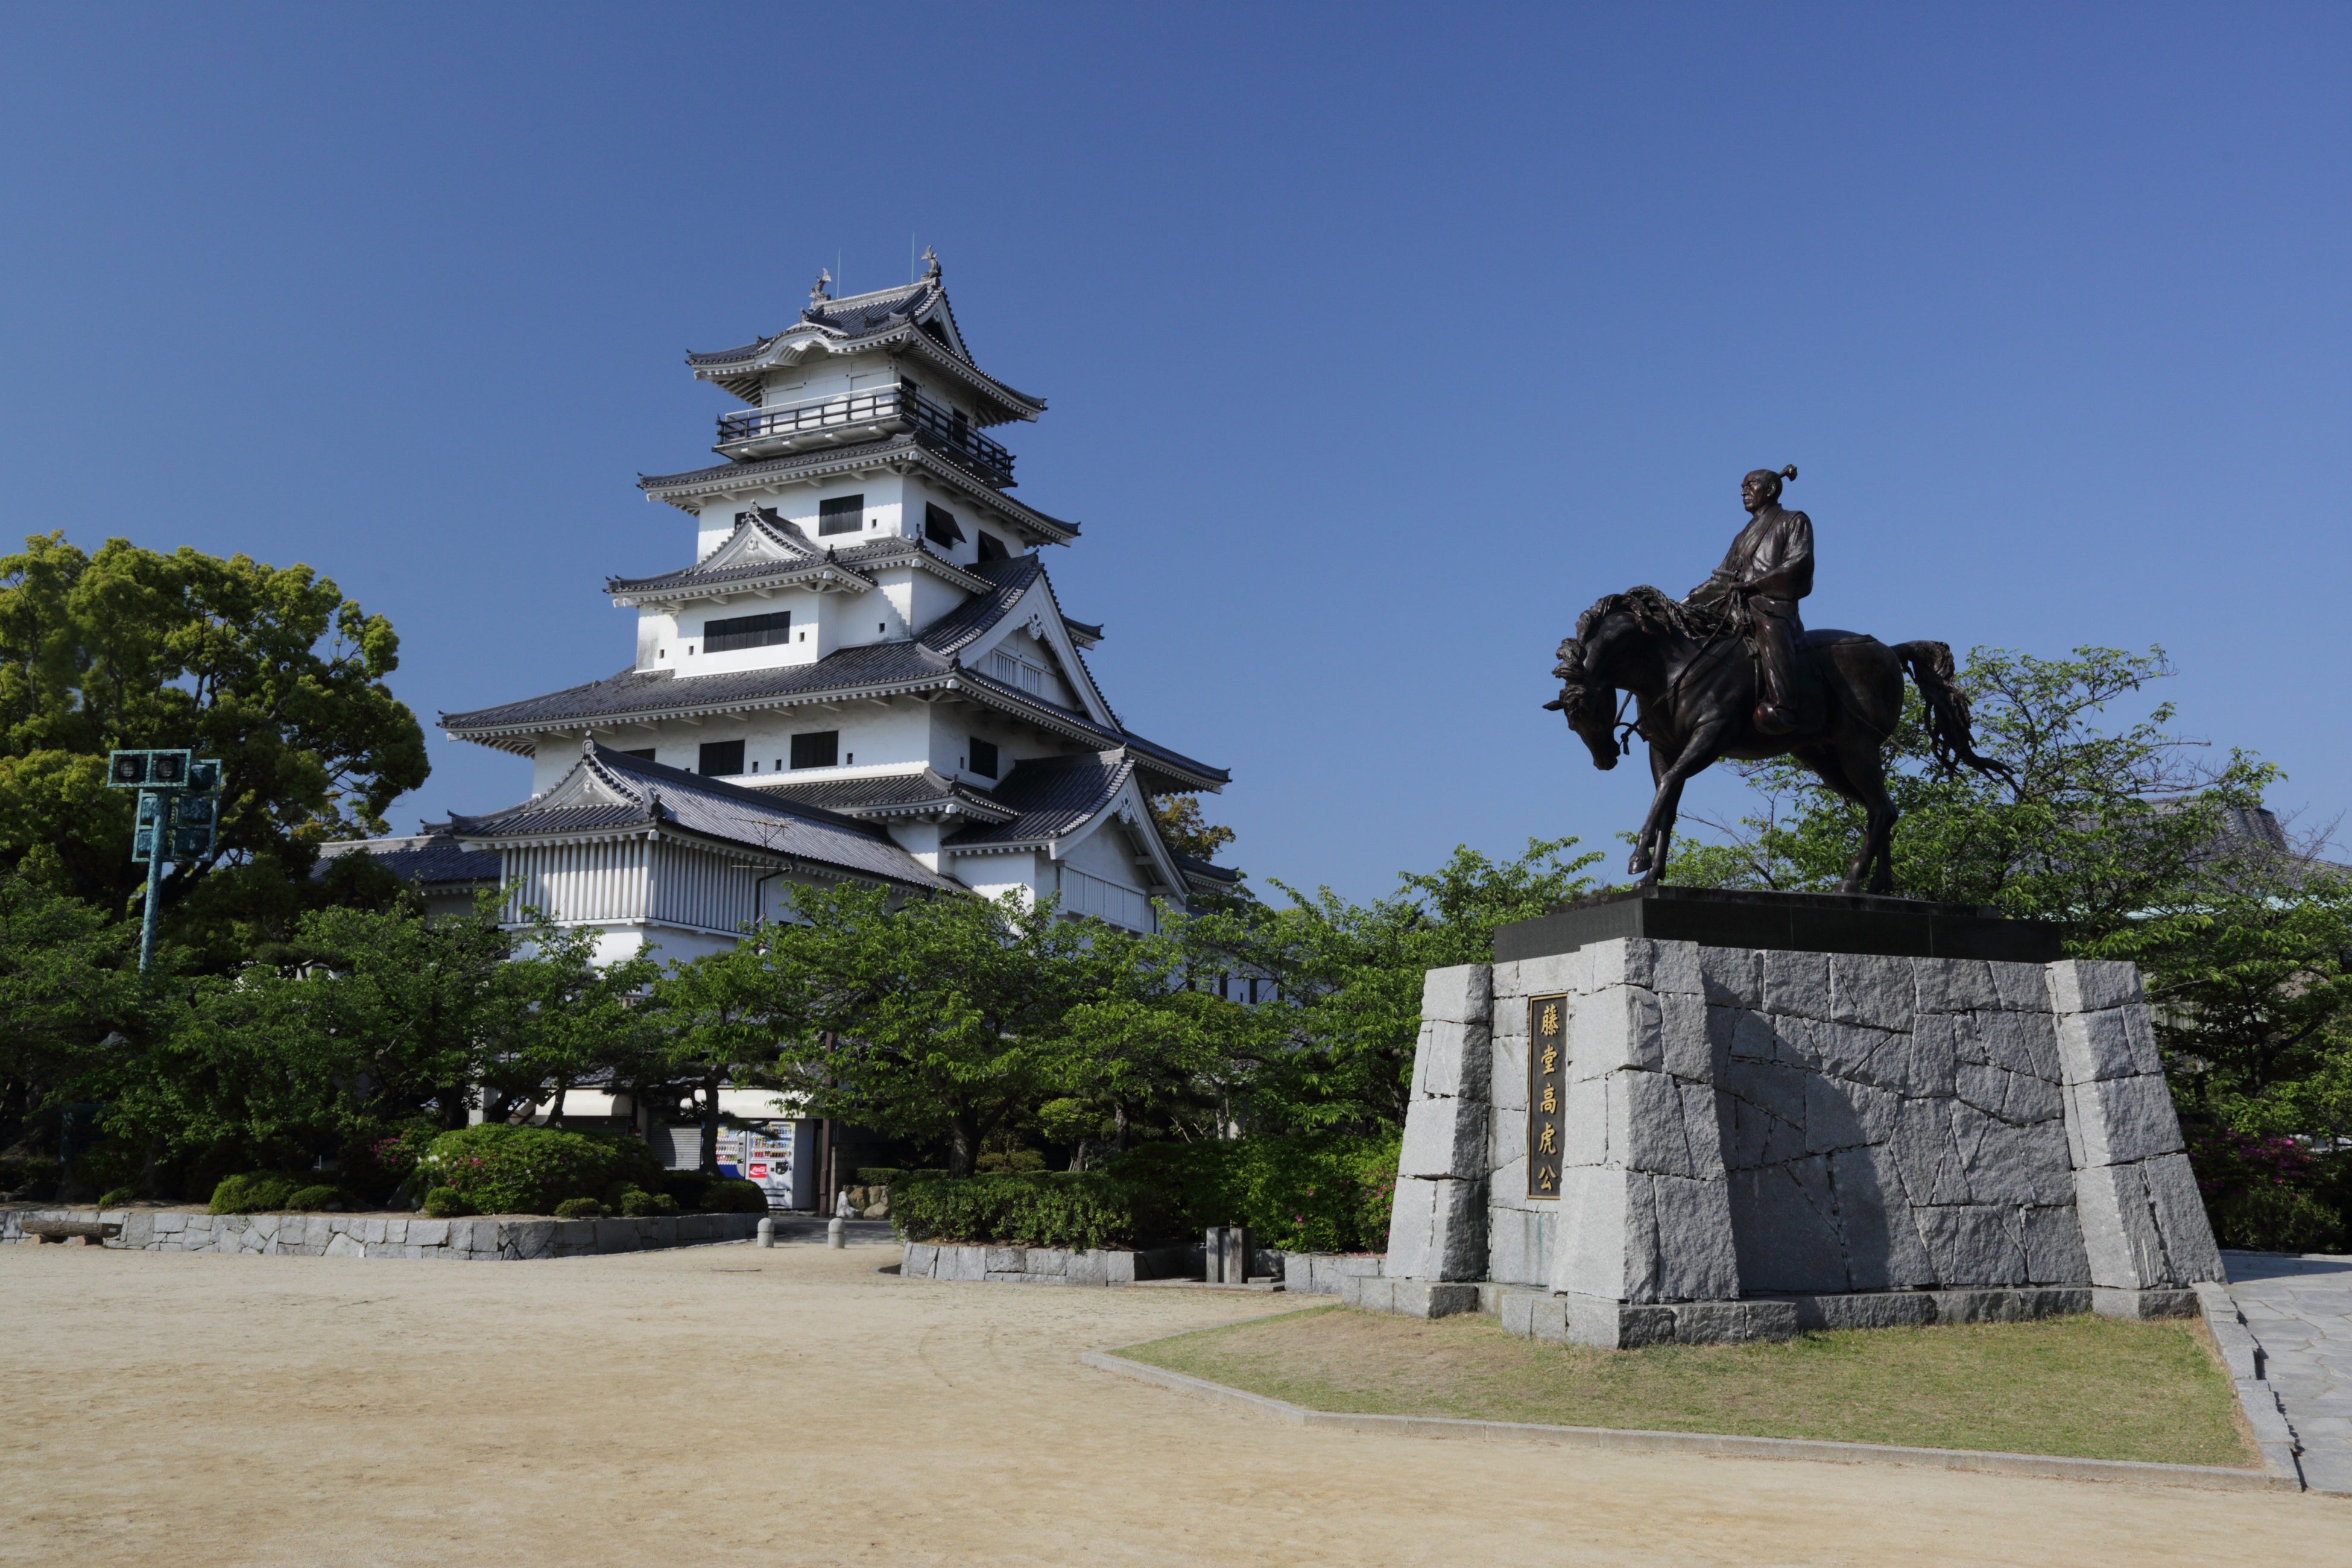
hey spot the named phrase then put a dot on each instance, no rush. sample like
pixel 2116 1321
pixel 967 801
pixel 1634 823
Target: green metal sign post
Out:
pixel 179 812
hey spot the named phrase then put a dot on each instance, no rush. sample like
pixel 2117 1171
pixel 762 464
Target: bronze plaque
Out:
pixel 1546 1092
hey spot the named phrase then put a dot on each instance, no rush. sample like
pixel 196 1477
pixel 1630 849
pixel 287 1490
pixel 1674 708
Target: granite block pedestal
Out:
pixel 1901 1112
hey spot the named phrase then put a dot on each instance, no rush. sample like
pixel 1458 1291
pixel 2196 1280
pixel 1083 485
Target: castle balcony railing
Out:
pixel 837 419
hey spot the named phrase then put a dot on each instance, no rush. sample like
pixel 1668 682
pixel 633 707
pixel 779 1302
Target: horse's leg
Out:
pixel 1867 771
pixel 1704 744
pixel 1643 859
pixel 1835 766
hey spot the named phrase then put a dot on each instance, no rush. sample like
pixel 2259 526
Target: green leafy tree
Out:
pixel 567 1020
pixel 378 1013
pixel 711 1022
pixel 1185 830
pixel 67 980
pixel 269 669
pixel 939 1020
pixel 1337 1047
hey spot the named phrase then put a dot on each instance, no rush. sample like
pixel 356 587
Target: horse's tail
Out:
pixel 1930 664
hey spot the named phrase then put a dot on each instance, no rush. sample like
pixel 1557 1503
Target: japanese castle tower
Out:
pixel 863 673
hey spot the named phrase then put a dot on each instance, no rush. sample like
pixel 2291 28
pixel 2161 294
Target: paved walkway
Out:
pixel 2301 1311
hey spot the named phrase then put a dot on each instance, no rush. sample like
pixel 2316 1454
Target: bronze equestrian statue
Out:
pixel 1731 671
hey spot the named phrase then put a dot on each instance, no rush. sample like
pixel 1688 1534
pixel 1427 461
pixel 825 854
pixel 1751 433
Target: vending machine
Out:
pixel 780 1156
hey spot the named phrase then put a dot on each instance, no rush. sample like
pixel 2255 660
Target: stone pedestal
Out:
pixel 1754 1140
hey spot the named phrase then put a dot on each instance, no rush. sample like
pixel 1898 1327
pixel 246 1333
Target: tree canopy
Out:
pixel 269 669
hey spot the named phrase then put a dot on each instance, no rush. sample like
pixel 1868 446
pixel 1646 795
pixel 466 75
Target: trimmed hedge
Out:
pixel 1328 1194
pixel 257 1191
pixel 498 1169
pixel 732 1195
pixel 1031 1208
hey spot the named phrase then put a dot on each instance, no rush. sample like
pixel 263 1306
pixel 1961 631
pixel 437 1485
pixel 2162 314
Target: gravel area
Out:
pixel 727 1404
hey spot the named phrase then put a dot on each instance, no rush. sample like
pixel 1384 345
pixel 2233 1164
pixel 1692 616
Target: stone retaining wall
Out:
pixel 492 1240
pixel 1049 1265
pixel 1320 1273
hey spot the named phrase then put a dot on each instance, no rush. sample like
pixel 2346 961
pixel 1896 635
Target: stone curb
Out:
pixel 2243 1355
pixel 2046 1467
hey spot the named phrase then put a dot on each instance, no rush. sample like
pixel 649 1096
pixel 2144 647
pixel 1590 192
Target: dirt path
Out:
pixel 671 1407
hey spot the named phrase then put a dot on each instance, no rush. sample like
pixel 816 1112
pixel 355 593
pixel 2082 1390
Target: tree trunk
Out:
pixel 963 1144
pixel 711 1125
pixel 1118 1126
pixel 555 1106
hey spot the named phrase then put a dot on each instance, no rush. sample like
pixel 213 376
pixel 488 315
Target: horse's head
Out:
pixel 1587 703
pixel 1615 641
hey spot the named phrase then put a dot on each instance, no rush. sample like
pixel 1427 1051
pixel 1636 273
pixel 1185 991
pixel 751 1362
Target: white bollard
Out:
pixel 836 1233
pixel 767 1232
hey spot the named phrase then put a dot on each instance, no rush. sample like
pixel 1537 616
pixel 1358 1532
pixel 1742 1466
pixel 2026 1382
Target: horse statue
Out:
pixel 1691 672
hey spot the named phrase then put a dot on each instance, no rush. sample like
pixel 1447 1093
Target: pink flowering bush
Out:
pixel 2264 1192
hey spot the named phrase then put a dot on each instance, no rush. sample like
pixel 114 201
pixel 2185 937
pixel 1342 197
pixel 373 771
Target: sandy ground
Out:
pixel 718 1406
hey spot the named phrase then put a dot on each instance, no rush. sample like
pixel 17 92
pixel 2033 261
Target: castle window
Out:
pixel 940 526
pixel 746 631
pixel 720 759
pixel 843 514
pixel 983 757
pixel 991 548
pixel 816 749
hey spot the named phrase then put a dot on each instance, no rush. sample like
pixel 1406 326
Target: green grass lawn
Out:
pixel 2085 1387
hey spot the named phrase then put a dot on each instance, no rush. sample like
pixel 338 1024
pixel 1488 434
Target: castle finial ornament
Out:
pixel 930 262
pixel 818 291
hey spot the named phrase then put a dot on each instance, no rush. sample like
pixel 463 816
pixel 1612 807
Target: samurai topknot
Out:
pixel 1769 482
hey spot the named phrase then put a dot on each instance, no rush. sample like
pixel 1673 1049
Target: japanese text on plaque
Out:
pixel 1546 1090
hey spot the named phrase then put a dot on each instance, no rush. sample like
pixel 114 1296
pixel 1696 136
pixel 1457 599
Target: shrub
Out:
pixel 444 1202
pixel 2265 1194
pixel 529 1169
pixel 881 1176
pixel 683 1188
pixel 581 1208
pixel 638 1204
pixel 375 1165
pixel 1013 1160
pixel 255 1193
pixel 734 1196
pixel 117 1197
pixel 1326 1194
pixel 1034 1208
pixel 314 1198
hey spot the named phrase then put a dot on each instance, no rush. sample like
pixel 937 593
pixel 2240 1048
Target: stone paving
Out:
pixel 2300 1309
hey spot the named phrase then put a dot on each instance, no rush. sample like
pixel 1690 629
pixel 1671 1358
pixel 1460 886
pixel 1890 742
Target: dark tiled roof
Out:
pixel 432 859
pixel 855 316
pixel 866 451
pixel 1205 870
pixel 643 692
pixel 889 792
pixel 1174 758
pixel 1008 580
pixel 629 790
pixel 1054 796
pixel 697 576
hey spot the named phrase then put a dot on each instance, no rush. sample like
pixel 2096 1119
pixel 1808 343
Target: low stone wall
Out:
pixel 1049 1265
pixel 1320 1273
pixel 513 1237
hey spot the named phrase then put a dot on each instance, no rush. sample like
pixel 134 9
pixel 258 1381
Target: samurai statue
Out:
pixel 1769 568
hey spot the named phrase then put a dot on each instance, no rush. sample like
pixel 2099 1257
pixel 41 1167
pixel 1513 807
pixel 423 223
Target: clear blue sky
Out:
pixel 1380 340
